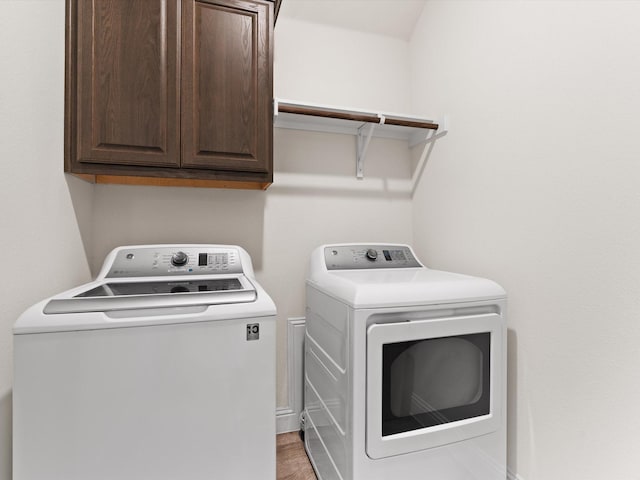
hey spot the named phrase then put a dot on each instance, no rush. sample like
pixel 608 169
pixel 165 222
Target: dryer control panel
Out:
pixel 170 261
pixel 364 256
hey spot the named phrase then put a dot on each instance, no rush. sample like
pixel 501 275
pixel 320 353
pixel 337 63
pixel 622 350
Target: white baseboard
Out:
pixel 288 418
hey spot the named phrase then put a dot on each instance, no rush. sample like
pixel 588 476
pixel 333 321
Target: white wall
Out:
pixel 334 66
pixel 43 215
pixel 537 186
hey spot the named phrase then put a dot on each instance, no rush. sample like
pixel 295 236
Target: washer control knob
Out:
pixel 179 259
pixel 372 254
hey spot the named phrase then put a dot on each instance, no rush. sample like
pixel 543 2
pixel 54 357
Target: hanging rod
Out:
pixel 354 116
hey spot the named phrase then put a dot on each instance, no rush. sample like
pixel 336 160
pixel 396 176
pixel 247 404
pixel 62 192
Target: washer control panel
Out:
pixel 349 257
pixel 167 261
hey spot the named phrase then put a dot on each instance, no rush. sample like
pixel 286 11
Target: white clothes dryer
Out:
pixel 162 368
pixel 405 368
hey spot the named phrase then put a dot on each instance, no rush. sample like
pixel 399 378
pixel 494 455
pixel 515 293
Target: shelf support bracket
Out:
pixel 363 138
pixel 362 143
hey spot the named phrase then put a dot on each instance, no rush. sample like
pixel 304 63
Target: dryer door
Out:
pixel 432 382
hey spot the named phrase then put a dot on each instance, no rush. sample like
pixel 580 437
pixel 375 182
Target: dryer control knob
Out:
pixel 179 259
pixel 372 254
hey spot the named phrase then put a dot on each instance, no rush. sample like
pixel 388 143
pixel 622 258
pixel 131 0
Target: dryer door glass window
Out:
pixel 432 381
pixel 435 381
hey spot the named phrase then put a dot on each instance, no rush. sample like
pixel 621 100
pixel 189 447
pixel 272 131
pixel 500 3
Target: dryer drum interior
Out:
pixel 433 382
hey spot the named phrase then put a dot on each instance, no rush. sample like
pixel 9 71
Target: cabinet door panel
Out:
pixel 227 85
pixel 127 103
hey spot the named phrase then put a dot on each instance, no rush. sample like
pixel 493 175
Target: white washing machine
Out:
pixel 405 368
pixel 163 368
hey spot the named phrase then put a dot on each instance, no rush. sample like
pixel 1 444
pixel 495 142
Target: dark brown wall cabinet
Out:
pixel 170 92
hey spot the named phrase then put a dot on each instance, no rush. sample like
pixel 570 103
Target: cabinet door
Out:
pixel 227 112
pixel 126 93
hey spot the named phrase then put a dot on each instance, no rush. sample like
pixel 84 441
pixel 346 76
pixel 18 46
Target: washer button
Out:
pixel 179 259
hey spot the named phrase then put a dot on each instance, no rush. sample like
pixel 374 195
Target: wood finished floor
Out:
pixel 292 460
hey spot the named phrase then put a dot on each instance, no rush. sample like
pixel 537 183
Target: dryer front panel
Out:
pixel 432 382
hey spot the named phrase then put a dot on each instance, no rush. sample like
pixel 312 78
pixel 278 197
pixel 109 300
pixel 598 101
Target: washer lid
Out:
pixel 146 285
pixel 131 294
